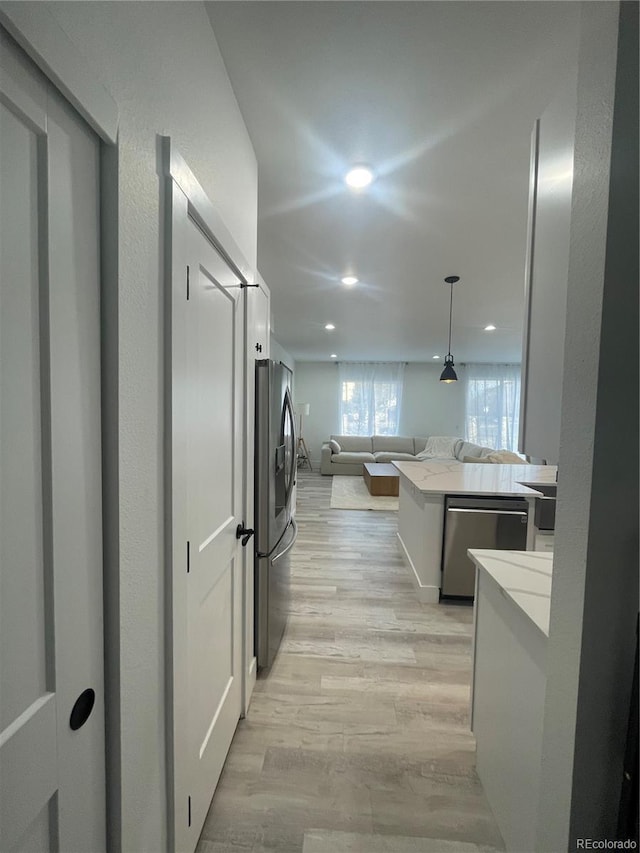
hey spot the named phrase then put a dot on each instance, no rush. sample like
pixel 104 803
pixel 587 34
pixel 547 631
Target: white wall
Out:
pixel 279 353
pixel 161 64
pixel 429 407
pixel 316 383
pixel 594 601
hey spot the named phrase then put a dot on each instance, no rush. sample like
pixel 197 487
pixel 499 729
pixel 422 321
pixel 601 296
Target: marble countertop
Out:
pixel 475 478
pixel 525 577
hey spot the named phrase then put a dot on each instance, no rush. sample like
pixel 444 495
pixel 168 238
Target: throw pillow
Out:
pixel 335 447
pixel 439 446
pixel 506 457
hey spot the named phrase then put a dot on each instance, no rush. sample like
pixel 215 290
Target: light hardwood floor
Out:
pixel 358 739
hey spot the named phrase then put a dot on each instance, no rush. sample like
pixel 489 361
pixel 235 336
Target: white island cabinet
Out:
pixel 421 516
pixel 511 627
pixel 420 524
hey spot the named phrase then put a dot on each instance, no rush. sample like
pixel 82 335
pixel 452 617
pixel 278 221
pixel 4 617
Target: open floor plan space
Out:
pixel 358 739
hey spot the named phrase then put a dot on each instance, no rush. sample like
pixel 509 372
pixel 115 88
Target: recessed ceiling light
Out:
pixel 333 355
pixel 359 177
pixel 349 279
pixel 329 327
pixel 435 356
pixel 490 328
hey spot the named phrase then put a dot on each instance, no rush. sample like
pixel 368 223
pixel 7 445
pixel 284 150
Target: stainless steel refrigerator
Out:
pixel 275 526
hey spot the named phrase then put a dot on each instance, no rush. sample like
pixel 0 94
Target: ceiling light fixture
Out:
pixel 359 177
pixel 435 356
pixel 490 328
pixel 448 374
pixel 333 355
pixel 329 327
pixel 349 279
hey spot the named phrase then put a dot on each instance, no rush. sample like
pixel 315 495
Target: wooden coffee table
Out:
pixel 381 479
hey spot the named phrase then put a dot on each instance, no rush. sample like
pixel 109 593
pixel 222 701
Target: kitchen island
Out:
pixel 510 633
pixel 424 486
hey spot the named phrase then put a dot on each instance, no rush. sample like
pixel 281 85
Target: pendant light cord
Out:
pixel 450 316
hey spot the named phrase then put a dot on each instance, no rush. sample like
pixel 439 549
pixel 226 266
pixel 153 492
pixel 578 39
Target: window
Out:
pixel 370 398
pixel 493 405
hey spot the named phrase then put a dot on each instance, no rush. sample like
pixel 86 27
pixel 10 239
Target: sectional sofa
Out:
pixel 346 454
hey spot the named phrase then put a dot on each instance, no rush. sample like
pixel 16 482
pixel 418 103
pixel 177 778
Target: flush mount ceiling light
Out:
pixel 435 356
pixel 448 374
pixel 490 328
pixel 359 177
pixel 349 279
pixel 329 327
pixel 333 355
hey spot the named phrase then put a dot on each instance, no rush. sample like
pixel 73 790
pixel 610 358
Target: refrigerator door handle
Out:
pixel 290 545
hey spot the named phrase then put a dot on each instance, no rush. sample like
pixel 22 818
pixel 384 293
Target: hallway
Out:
pixel 358 740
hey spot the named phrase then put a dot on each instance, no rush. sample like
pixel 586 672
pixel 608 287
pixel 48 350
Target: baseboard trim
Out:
pixel 426 594
pixel 250 682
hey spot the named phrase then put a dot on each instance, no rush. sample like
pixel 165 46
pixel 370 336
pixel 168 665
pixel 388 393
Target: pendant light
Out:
pixel 449 374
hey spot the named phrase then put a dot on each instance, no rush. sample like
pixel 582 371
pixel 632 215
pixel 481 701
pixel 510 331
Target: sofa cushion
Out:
pixel 390 456
pixel 397 443
pixel 354 442
pixel 467 448
pixel 419 443
pixel 441 446
pixel 348 457
pixel 335 447
pixel 498 457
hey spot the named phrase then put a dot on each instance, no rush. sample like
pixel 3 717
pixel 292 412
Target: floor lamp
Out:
pixel 302 451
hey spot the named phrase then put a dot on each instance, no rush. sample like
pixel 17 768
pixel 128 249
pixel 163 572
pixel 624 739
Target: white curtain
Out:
pixel 492 405
pixel 370 397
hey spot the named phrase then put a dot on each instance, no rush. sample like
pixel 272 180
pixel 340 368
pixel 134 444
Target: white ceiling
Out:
pixel 440 99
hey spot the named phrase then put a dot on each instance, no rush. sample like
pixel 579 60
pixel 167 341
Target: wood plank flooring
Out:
pixel 358 739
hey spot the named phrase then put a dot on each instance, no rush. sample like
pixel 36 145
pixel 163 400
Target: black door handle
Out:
pixel 82 709
pixel 243 533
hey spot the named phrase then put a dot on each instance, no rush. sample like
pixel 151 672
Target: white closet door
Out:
pixel 52 782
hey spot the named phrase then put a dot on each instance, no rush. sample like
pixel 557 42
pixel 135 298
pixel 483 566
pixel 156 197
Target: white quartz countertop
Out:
pixel 476 478
pixel 525 577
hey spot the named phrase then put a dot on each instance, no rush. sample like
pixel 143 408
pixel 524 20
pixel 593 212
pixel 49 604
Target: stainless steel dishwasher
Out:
pixel 478 523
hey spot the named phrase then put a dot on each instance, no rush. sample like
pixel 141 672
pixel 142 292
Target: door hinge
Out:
pixel 188 557
pixel 258 347
pixel 189 809
pixel 187 283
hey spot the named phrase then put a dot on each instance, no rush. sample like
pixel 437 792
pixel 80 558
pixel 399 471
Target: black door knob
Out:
pixel 243 533
pixel 82 709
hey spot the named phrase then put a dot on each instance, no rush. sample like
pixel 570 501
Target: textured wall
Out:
pixel 161 64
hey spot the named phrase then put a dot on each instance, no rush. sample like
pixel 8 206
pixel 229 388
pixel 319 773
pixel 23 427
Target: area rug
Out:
pixel 352 493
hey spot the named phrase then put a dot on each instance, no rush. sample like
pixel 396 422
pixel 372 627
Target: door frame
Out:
pixel 184 198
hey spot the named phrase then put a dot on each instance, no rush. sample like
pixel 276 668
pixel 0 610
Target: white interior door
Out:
pixel 52 778
pixel 214 494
